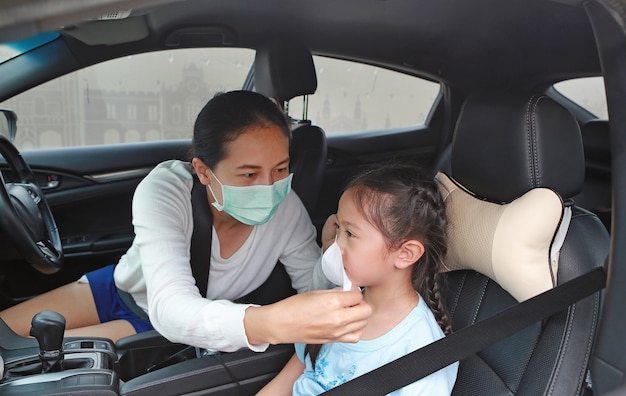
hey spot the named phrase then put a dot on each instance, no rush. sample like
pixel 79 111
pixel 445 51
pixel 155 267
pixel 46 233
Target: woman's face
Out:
pixel 363 248
pixel 260 155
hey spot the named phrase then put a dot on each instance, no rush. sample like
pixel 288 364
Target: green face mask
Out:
pixel 252 205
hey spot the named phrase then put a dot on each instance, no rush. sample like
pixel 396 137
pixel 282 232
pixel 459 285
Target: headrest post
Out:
pixel 305 107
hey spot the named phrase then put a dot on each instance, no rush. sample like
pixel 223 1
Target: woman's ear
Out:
pixel 408 253
pixel 201 170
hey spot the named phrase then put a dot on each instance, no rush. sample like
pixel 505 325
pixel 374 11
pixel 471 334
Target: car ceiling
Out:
pixel 469 44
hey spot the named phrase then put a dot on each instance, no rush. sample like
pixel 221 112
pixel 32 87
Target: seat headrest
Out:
pixel 284 69
pixel 507 143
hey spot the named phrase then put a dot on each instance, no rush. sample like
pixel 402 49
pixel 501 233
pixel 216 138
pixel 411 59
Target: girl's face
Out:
pixel 365 254
pixel 259 156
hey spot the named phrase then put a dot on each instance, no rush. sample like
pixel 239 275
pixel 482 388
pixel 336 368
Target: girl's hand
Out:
pixel 329 231
pixel 316 317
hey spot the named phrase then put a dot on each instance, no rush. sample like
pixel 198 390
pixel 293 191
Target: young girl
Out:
pixel 391 235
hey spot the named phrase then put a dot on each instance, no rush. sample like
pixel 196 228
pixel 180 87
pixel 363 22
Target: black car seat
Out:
pixel 505 145
pixel 283 70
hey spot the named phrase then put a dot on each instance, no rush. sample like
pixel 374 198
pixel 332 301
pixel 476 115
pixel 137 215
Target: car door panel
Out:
pixel 89 191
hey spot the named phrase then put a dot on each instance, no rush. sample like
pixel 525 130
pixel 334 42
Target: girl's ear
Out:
pixel 408 253
pixel 201 170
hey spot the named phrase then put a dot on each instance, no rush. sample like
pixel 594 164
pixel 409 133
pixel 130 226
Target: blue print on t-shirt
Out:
pixel 328 383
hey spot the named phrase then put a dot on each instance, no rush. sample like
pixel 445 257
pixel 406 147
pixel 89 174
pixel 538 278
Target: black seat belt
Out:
pixel 202 235
pixel 472 339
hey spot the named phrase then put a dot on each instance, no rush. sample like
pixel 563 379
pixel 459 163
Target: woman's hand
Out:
pixel 316 317
pixel 329 231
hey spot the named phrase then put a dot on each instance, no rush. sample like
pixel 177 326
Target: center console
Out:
pixel 144 364
pixel 52 364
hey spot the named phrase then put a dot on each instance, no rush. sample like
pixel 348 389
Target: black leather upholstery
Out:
pixel 525 141
pixel 308 163
pixel 242 372
pixel 284 69
pixel 504 145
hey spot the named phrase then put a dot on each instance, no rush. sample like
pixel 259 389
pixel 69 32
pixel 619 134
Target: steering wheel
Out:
pixel 25 216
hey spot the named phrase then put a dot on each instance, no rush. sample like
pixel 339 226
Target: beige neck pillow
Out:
pixel 515 244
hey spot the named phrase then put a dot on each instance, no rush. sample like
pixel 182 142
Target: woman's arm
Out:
pixel 282 384
pixel 316 317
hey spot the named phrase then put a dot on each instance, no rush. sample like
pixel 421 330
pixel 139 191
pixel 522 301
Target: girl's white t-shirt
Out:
pixel 339 362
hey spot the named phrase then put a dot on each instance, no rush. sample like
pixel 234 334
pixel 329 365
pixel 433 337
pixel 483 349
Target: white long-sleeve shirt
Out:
pixel 156 269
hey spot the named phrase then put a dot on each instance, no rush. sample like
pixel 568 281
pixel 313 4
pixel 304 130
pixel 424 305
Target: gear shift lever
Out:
pixel 48 328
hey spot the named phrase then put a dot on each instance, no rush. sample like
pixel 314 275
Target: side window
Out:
pixel 354 97
pixel 586 92
pixel 152 96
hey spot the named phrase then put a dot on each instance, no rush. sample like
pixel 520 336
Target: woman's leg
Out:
pixel 74 301
pixel 114 330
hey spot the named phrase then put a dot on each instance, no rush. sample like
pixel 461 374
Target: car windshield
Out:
pixel 16 48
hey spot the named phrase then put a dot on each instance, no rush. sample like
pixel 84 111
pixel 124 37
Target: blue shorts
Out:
pixel 109 304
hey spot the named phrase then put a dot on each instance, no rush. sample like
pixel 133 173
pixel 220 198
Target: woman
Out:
pixel 241 154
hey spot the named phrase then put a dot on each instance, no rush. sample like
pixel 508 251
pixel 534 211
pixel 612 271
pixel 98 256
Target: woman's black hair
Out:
pixel 403 202
pixel 226 116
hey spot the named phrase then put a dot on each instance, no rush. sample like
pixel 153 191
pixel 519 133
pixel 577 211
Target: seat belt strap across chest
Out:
pixel 202 235
pixel 472 339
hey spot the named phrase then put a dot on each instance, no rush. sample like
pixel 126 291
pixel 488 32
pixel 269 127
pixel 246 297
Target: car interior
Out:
pixel 533 182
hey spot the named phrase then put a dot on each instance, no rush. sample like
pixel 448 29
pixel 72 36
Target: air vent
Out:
pixel 114 15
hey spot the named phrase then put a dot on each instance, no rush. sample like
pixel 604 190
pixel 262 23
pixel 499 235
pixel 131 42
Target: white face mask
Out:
pixel 332 266
pixel 252 205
